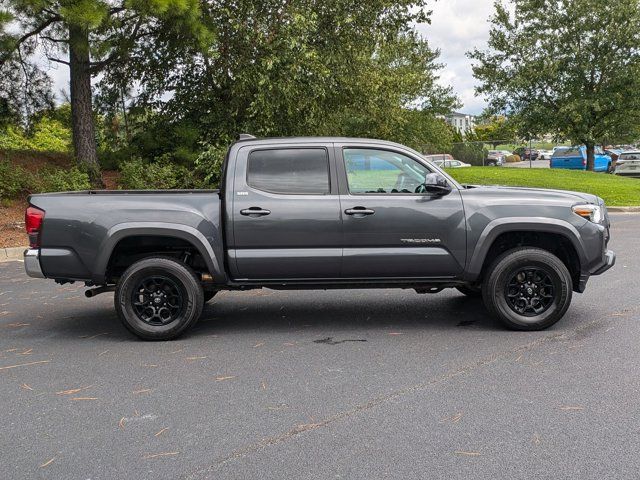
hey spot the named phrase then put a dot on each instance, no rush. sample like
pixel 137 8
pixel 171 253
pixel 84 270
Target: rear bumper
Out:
pixel 32 263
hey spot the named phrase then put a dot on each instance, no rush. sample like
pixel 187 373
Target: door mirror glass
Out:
pixel 436 185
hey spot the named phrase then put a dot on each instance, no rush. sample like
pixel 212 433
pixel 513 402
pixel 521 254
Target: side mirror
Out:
pixel 435 185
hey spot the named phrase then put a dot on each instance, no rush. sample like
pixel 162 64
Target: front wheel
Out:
pixel 158 298
pixel 527 289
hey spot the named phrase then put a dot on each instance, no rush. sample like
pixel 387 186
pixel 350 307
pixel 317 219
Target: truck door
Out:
pixel 389 230
pixel 285 213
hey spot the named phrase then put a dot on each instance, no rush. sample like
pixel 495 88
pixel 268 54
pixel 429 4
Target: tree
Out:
pixel 495 130
pixel 94 35
pixel 566 67
pixel 272 68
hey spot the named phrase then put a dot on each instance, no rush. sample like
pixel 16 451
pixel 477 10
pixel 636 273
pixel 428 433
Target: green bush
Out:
pixel 50 135
pixel 52 179
pixel 137 174
pixel 473 153
pixel 13 138
pixel 47 135
pixel 13 180
pixel 209 164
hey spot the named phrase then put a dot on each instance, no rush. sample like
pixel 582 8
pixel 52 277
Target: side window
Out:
pixel 301 171
pixel 382 171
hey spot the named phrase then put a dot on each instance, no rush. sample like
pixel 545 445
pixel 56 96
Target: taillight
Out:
pixel 584 163
pixel 33 218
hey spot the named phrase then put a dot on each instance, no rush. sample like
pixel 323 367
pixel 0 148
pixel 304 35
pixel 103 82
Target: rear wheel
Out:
pixel 158 298
pixel 527 289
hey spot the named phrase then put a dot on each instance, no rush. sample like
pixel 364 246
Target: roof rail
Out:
pixel 245 136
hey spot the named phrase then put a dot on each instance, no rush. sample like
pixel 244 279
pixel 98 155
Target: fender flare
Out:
pixel 133 229
pixel 499 226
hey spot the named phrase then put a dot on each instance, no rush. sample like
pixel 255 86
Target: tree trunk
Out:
pixel 84 139
pixel 590 155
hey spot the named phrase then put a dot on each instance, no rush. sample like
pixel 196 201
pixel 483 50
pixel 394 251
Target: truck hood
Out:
pixel 564 196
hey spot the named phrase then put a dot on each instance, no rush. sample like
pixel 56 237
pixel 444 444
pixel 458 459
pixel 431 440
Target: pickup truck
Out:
pixel 321 213
pixel 575 158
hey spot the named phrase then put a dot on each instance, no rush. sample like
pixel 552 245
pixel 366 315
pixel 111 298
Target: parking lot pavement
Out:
pixel 338 384
pixel 525 164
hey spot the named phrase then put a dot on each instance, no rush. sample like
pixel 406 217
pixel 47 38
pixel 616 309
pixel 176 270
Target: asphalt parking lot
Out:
pixel 339 384
pixel 527 164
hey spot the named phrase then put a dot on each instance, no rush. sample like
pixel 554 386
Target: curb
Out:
pixel 624 209
pixel 13 253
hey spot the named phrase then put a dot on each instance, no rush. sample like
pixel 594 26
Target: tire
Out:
pixel 533 303
pixel 169 301
pixel 470 290
pixel 209 294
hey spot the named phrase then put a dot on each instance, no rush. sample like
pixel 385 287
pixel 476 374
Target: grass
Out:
pixel 615 191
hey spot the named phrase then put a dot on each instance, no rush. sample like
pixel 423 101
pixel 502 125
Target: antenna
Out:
pixel 245 136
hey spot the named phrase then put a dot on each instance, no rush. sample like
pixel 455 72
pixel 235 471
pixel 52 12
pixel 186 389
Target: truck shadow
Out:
pixel 340 312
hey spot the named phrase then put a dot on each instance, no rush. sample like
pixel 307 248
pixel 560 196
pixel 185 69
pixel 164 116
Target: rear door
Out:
pixel 286 213
pixel 389 230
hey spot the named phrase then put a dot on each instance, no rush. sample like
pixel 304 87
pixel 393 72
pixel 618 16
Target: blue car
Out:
pixel 575 158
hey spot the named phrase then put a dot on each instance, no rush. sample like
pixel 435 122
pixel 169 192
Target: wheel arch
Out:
pixel 500 228
pixel 124 231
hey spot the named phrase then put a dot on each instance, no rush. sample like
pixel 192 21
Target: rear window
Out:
pixel 299 171
pixel 630 156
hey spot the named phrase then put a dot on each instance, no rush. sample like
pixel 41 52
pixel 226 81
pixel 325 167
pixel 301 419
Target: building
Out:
pixel 462 122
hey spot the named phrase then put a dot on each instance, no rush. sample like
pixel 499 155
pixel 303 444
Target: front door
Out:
pixel 390 231
pixel 286 214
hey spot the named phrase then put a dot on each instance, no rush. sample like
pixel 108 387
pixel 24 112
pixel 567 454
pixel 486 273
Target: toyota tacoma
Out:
pixel 321 213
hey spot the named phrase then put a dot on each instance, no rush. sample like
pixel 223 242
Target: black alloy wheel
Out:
pixel 158 298
pixel 527 288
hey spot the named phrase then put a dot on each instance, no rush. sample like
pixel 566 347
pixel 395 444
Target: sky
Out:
pixel 456 27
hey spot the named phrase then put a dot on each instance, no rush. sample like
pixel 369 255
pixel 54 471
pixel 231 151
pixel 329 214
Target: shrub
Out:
pixel 52 179
pixel 512 158
pixel 13 180
pixel 48 135
pixel 209 164
pixel 473 153
pixel 13 138
pixel 139 175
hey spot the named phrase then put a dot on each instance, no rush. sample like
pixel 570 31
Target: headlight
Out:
pixel 593 213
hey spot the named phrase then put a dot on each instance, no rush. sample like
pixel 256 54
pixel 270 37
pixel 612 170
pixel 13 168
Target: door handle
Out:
pixel 359 211
pixel 254 212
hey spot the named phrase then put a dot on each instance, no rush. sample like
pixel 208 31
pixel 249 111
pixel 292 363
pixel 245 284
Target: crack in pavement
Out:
pixel 363 407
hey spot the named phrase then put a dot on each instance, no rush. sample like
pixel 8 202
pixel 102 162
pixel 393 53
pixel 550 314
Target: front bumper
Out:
pixel 609 261
pixel 32 263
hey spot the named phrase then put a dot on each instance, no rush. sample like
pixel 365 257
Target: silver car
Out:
pixel 628 164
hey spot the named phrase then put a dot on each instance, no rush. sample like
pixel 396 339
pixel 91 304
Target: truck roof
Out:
pixel 301 140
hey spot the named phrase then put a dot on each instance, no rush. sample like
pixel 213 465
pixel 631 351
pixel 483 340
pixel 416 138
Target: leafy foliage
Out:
pixel 137 174
pixel 572 81
pixel 469 152
pixel 16 180
pixel 338 67
pixel 46 135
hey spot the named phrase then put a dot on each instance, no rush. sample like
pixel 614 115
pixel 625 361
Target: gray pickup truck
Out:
pixel 321 213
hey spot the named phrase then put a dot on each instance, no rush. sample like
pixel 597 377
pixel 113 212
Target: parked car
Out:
pixel 545 154
pixel 439 157
pixel 575 158
pixel 451 164
pixel 628 164
pixel 495 159
pixel 526 153
pixel 301 213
